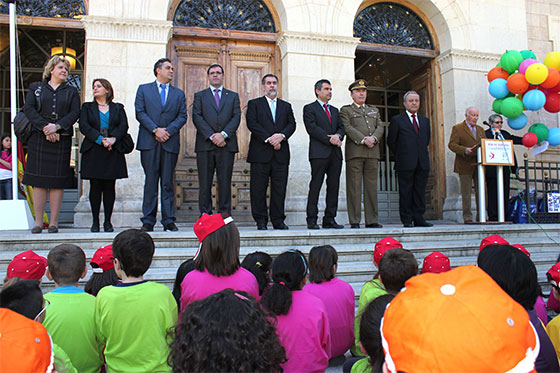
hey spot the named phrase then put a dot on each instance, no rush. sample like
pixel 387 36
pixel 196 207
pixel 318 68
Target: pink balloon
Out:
pixel 525 64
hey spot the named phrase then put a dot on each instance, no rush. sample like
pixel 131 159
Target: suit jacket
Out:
pixel 460 139
pixel 491 170
pixel 151 114
pixel 318 127
pixel 90 123
pixel 357 125
pixel 410 148
pixel 261 125
pixel 209 119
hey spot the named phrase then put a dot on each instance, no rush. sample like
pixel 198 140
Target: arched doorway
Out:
pixel 397 54
pixel 241 36
pixel 44 29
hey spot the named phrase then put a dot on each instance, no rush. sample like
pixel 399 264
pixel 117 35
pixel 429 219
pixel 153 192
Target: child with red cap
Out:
pixel 27 266
pixel 494 239
pixel 103 271
pixel 217 265
pixel 553 327
pixel 436 262
pixel 372 288
pixel 457 321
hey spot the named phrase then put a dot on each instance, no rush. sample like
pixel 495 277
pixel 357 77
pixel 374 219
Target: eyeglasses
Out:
pixel 45 305
pixel 498 121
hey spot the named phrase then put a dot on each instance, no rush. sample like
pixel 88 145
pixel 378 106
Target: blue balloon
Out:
pixel 534 100
pixel 498 88
pixel 518 123
pixel 553 136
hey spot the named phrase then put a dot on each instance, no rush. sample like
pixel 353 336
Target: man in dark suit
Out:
pixel 216 116
pixel 464 140
pixel 326 132
pixel 271 122
pixel 161 110
pixel 408 140
pixel 496 132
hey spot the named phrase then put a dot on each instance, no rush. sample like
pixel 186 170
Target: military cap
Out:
pixel 358 84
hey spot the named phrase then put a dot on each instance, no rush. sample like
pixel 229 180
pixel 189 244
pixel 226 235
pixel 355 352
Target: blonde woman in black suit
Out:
pixel 104 125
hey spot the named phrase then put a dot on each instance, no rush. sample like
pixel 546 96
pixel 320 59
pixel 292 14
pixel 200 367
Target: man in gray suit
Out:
pixel 216 116
pixel 161 110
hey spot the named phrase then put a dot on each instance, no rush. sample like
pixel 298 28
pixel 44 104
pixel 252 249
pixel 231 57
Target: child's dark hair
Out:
pixel 184 268
pixel 98 281
pixel 24 297
pixel 4 135
pixel 370 335
pixel 288 271
pixel 322 260
pixel 397 266
pixel 219 253
pixel 227 331
pixel 134 250
pixel 513 270
pixel 258 263
pixel 66 263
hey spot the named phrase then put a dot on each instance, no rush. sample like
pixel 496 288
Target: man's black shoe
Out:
pixel 146 227
pixel 261 227
pixel 170 227
pixel 281 226
pixel 355 226
pixel 423 224
pixel 374 225
pixel 332 225
pixel 312 226
pixel 408 225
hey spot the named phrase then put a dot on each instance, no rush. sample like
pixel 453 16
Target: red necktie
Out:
pixel 328 112
pixel 416 128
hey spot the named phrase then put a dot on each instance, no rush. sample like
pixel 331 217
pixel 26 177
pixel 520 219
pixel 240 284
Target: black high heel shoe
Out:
pixel 95 227
pixel 108 227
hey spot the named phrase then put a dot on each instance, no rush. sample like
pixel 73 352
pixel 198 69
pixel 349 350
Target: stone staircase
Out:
pixel 354 247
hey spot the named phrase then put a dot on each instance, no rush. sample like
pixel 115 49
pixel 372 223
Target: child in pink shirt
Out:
pixel 301 319
pixel 337 296
pixel 217 265
pixel 6 168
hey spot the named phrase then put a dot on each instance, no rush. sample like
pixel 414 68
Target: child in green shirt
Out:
pixel 69 318
pixel 134 317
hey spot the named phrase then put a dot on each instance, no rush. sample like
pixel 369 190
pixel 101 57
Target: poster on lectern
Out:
pixel 497 152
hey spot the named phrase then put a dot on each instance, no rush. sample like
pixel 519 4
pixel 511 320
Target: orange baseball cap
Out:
pixel 457 321
pixel 494 239
pixel 384 245
pixel 436 262
pixel 25 345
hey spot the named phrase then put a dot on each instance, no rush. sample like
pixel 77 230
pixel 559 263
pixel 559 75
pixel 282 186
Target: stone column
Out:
pixel 306 58
pixel 122 50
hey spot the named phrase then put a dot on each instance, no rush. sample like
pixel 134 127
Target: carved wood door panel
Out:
pixel 244 62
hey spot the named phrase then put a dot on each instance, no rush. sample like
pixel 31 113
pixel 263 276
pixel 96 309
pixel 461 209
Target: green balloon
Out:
pixel 512 107
pixel 540 130
pixel 511 60
pixel 497 105
pixel 528 54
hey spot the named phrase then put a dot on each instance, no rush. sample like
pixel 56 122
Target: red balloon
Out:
pixel 517 83
pixel 530 139
pixel 553 78
pixel 497 72
pixel 552 104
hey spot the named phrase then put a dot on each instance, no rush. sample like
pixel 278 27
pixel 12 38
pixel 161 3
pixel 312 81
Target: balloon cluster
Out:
pixel 520 82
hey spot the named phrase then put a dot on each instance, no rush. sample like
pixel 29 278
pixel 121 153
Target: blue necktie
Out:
pixel 273 110
pixel 162 94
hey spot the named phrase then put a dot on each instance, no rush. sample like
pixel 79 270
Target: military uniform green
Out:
pixel 361 161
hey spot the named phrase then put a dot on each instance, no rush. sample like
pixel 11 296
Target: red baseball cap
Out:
pixel 457 321
pixel 494 239
pixel 436 262
pixel 103 258
pixel 523 249
pixel 208 224
pixel 25 344
pixel 27 265
pixel 554 273
pixel 384 245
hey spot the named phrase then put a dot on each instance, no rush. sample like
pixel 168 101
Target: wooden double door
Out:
pixel 244 62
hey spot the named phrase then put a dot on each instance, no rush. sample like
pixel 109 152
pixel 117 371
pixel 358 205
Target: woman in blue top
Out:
pixel 104 125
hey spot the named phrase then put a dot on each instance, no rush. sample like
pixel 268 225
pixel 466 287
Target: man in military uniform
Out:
pixel 364 130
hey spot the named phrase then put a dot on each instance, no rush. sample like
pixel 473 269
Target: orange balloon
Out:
pixel 497 72
pixel 517 83
pixel 553 78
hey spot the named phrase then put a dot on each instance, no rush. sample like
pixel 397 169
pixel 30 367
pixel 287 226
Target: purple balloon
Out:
pixel 525 64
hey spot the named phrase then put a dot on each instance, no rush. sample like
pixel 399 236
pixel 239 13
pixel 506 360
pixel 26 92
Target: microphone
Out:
pixel 497 133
